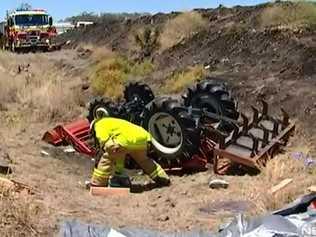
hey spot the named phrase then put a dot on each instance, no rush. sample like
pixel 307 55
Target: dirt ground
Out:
pixel 58 178
pixel 39 91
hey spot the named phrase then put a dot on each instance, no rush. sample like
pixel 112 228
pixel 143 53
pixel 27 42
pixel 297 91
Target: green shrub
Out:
pixel 108 76
pixel 147 42
pixel 181 80
pixel 142 69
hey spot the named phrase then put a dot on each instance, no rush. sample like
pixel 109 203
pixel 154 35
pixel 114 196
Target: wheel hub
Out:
pixel 166 131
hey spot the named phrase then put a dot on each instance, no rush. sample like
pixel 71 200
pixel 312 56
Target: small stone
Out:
pixel 184 193
pixel 153 204
pixel 218 183
pixel 163 218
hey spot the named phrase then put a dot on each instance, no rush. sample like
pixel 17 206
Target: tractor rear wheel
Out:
pixel 100 102
pixel 175 134
pixel 213 96
pixel 138 91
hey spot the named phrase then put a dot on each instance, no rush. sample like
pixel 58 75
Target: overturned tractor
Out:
pixel 202 127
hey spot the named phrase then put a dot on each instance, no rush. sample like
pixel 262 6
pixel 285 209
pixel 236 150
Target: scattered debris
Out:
pixel 69 149
pixel 280 186
pixel 6 183
pixel 218 183
pixel 44 153
pixel 16 186
pixel 312 189
pixel 163 218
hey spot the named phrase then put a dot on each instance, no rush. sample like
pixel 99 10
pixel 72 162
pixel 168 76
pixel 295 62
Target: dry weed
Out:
pixel 18 214
pixel 281 167
pixel 181 27
pixel 178 81
pixel 39 91
pixel 290 14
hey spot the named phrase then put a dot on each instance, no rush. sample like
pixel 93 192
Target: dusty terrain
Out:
pixel 39 91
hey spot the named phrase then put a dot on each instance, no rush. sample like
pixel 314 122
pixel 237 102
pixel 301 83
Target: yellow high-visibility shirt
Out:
pixel 124 133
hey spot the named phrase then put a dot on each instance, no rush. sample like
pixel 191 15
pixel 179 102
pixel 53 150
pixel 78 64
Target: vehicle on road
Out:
pixel 28 30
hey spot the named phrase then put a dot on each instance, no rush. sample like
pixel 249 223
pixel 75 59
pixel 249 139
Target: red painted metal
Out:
pixel 76 133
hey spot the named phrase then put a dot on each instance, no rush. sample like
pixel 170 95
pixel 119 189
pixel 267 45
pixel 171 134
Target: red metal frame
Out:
pixel 76 133
pixel 256 162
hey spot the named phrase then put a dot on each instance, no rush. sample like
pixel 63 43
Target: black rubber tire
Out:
pixel 139 90
pixel 189 129
pixel 100 102
pixel 215 97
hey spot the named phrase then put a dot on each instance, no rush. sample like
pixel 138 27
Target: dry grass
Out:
pixel 256 189
pixel 39 91
pixel 181 80
pixel 18 214
pixel 290 14
pixel 181 27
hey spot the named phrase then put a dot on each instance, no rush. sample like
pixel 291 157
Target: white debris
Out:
pixel 44 153
pixel 218 183
pixel 69 149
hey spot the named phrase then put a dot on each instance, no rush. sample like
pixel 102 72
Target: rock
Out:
pixel 163 218
pixel 218 183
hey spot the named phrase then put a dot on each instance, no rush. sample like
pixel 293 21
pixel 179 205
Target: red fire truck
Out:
pixel 28 30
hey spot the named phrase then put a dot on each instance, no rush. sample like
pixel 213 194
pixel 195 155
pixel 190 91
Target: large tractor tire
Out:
pixel 100 102
pixel 139 91
pixel 213 96
pixel 176 136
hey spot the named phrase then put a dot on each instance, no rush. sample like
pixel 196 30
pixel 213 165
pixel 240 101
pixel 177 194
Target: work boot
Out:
pixel 162 182
pixel 120 181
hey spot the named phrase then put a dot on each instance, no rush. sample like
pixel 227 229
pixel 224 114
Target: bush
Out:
pixel 181 80
pixel 108 76
pixel 142 69
pixel 147 42
pixel 181 27
pixel 297 13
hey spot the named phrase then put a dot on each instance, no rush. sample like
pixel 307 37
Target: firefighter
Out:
pixel 119 138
